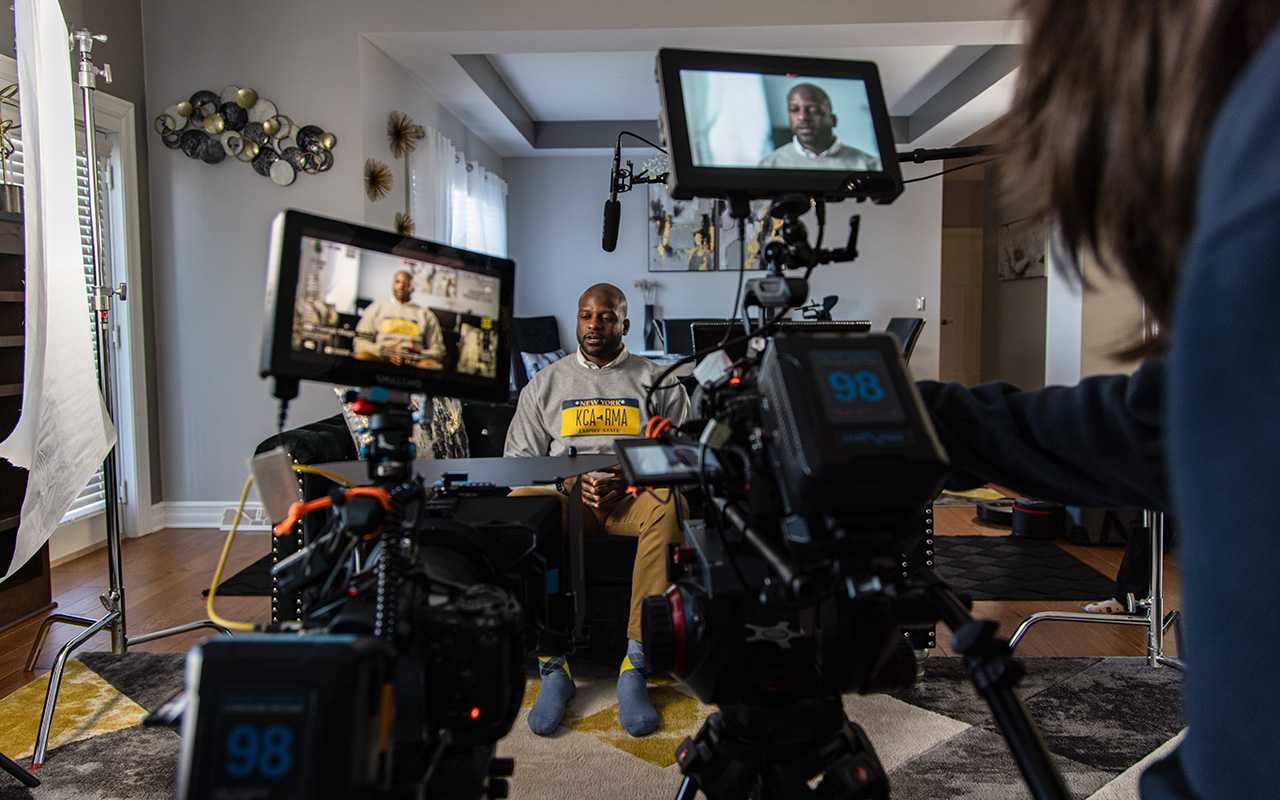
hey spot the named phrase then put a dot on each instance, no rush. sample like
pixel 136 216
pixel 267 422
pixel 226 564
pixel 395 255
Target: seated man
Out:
pixel 585 401
pixel 814 144
pixel 400 331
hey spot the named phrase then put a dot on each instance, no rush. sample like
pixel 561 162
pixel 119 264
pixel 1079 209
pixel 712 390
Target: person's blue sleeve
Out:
pixel 1098 443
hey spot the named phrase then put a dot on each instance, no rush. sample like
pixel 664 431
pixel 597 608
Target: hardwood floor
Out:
pixel 164 575
pixel 1059 638
pixel 165 572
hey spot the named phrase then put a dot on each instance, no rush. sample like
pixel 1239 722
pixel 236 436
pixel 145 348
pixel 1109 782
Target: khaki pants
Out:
pixel 650 519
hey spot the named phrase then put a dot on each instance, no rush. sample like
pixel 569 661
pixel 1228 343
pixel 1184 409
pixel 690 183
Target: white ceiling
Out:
pixel 555 92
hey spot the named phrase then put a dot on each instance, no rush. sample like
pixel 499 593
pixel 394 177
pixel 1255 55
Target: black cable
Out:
pixel 641 138
pixel 742 260
pixel 952 169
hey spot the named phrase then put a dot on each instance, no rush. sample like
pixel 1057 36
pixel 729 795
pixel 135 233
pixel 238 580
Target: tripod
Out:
pixel 113 600
pixel 8 765
pixel 774 752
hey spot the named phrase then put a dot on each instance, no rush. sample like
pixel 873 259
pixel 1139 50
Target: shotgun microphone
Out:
pixel 612 208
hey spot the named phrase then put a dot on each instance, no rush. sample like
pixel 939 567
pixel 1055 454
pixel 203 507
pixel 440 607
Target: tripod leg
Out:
pixel 10 766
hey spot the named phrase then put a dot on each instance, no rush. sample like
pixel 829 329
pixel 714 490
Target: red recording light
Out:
pixel 734 380
pixel 475 712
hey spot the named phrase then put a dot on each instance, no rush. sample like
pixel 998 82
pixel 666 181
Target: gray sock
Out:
pixel 553 695
pixel 635 710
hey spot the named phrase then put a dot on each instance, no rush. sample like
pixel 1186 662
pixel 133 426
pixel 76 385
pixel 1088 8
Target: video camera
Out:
pixel 416 604
pixel 815 456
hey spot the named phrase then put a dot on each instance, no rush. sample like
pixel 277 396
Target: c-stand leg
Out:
pixel 774 752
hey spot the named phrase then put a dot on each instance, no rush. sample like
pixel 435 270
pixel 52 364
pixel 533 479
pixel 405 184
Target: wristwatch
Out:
pixel 560 486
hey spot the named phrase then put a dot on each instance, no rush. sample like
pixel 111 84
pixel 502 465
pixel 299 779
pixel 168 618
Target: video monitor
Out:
pixel 653 462
pixel 751 125
pixel 358 306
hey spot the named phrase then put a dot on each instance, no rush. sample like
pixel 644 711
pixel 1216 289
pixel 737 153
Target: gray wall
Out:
pixel 556 247
pixel 1013 312
pixel 210 223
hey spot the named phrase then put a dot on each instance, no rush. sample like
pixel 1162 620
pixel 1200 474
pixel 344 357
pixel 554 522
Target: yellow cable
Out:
pixel 217 575
pixel 333 476
pixel 231 535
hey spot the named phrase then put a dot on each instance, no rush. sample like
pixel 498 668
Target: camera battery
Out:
pixel 286 717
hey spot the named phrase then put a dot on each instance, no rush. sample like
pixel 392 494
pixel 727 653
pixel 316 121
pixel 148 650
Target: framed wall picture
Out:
pixel 760 230
pixel 1022 247
pixel 682 233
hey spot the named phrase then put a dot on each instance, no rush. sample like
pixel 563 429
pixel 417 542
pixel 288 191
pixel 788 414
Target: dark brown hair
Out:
pixel 1113 104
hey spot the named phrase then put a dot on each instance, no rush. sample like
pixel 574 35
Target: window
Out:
pixel 92 498
pixel 456 201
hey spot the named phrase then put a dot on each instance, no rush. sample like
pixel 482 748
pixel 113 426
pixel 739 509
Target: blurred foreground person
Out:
pixel 1147 131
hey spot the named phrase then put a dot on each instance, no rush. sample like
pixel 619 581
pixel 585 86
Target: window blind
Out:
pixel 93 497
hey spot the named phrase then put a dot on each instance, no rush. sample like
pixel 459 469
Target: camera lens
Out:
pixel 659 634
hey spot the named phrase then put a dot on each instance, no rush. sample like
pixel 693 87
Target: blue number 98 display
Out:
pixel 269 752
pixel 862 385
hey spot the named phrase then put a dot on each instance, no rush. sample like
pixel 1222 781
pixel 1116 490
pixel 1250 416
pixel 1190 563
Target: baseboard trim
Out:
pixel 201 514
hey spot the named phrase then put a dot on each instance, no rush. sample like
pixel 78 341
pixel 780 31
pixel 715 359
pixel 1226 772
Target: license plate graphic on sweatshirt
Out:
pixel 600 417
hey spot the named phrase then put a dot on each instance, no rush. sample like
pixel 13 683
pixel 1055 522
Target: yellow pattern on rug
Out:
pixel 682 715
pixel 87 706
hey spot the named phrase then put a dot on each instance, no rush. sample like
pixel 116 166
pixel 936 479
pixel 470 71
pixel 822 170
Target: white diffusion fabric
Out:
pixel 64 432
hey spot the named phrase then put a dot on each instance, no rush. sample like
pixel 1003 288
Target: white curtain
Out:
pixel 431 178
pixel 63 434
pixel 728 118
pixel 480 216
pixel 455 201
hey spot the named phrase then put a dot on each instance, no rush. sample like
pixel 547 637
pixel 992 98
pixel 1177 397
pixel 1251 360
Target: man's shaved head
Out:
pixel 614 293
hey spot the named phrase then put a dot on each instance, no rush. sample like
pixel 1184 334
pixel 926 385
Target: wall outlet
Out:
pixel 252 518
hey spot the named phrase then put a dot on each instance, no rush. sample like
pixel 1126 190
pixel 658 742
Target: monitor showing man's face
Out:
pixel 741 119
pixel 402 286
pixel 809 112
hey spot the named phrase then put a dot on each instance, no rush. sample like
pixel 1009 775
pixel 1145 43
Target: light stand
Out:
pixel 1148 612
pixel 113 600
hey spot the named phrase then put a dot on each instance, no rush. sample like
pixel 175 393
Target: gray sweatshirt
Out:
pixel 574 403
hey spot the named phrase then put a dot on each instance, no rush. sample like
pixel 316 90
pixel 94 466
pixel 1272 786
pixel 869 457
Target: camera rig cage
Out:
pixel 795 589
pixel 417 604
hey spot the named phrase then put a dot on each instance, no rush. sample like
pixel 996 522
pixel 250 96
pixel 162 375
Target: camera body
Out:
pixel 798 586
pixel 402 673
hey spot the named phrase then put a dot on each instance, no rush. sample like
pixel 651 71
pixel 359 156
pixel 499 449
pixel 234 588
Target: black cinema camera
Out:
pixel 816 460
pixel 793 589
pixel 416 604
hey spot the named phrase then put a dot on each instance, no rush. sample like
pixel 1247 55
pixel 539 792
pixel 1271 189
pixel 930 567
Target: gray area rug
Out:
pixel 1099 717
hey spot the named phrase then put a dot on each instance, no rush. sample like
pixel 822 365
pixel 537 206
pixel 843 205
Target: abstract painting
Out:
pixel 760 230
pixel 682 233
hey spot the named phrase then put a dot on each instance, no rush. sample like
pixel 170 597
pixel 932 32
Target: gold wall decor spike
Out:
pixel 404 224
pixel 377 179
pixel 403 134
